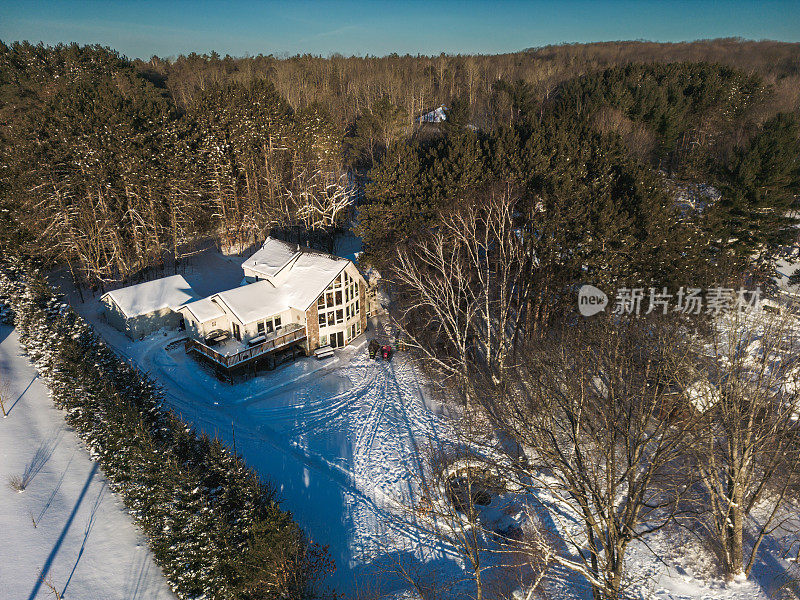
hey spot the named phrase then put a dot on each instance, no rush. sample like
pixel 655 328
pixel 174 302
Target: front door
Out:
pixel 337 339
pixel 236 333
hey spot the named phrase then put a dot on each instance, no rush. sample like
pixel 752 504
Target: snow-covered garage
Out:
pixel 139 310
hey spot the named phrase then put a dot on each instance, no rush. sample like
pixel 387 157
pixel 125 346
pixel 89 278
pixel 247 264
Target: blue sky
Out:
pixel 140 29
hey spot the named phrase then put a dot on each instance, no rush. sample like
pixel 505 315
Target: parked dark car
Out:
pixel 373 348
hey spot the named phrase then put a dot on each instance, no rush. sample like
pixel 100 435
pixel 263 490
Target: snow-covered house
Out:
pixel 293 296
pixel 139 310
pixel 436 115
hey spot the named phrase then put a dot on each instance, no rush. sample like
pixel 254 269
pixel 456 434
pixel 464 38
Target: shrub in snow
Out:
pixel 215 529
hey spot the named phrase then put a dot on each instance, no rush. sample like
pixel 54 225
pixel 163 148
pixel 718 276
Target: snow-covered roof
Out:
pixel 273 256
pixel 437 115
pixel 703 395
pixel 300 285
pixel 204 309
pixel 150 296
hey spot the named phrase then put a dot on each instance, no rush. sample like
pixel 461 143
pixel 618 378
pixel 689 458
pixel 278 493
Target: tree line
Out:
pixel 112 166
pixel 104 174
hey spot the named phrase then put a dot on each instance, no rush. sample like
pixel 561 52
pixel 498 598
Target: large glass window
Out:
pixel 322 319
pixel 339 316
pixel 277 322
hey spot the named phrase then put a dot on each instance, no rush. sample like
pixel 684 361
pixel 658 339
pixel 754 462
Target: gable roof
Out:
pixel 433 115
pixel 272 257
pixel 204 309
pixel 143 298
pixel 300 286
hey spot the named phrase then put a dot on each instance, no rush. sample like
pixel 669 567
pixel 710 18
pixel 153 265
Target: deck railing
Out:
pixel 292 333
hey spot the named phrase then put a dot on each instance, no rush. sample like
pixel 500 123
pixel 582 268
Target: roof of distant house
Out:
pixel 144 298
pixel 433 115
pixel 272 257
pixel 307 277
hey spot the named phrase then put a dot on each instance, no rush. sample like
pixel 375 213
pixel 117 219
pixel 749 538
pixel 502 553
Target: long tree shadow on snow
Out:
pixel 57 546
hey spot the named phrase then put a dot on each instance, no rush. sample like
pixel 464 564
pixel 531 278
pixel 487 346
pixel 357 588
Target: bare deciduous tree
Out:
pixel 593 428
pixel 745 445
pixel 461 290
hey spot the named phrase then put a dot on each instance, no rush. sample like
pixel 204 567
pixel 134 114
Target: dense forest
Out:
pixel 111 166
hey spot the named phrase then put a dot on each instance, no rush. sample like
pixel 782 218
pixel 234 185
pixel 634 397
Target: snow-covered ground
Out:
pixel 339 438
pixel 84 544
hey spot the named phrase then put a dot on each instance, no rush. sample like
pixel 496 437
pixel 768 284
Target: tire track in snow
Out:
pixel 384 509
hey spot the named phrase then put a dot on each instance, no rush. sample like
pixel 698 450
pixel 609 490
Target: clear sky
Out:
pixel 140 29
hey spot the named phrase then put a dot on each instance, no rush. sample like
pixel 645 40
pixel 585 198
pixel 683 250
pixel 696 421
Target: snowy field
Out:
pixel 84 544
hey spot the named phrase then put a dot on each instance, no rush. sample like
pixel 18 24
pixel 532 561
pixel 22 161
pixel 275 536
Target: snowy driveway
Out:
pixel 338 438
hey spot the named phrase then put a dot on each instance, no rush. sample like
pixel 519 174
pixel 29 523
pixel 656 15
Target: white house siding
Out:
pixel 250 330
pixel 142 325
pixel 115 317
pixel 201 329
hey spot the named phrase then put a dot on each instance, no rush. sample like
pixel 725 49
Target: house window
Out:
pixel 358 327
pixel 339 316
pixel 323 340
pixel 322 320
pixel 213 323
pixel 356 305
pixel 339 297
pixel 329 299
pixel 260 327
pixel 277 322
pixel 321 301
pixel 236 332
pixel 331 318
pixel 269 326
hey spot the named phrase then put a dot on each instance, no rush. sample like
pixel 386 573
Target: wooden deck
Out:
pixel 292 335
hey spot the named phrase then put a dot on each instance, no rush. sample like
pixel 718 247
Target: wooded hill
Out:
pixel 112 166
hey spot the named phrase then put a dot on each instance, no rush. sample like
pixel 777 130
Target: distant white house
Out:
pixel 436 115
pixel 139 310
